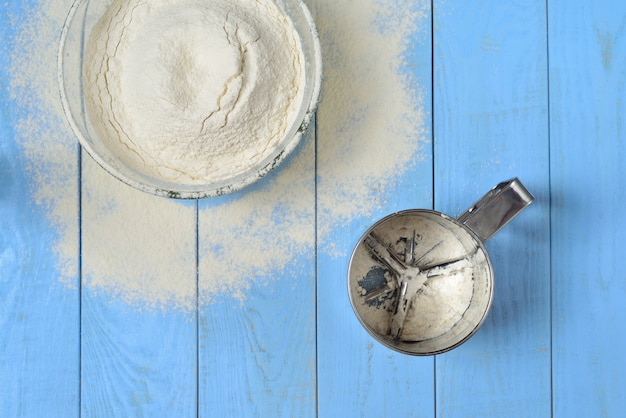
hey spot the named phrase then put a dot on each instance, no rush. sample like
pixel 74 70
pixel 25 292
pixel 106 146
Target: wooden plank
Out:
pixel 587 90
pixel 357 376
pixel 257 289
pixel 39 301
pixel 257 294
pixel 138 328
pixel 491 124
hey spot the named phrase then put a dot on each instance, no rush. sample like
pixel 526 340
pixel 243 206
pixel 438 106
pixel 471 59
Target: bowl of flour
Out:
pixel 189 98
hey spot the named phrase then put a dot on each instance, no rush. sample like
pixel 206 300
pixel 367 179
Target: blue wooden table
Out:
pixel 533 89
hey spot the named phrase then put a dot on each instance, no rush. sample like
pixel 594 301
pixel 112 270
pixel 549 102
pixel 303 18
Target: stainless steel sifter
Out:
pixel 421 282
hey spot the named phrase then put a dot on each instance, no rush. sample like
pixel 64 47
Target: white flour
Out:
pixel 371 118
pixel 190 91
pixel 367 97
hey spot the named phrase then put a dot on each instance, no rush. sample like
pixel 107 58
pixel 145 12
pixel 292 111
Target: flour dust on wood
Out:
pixel 369 131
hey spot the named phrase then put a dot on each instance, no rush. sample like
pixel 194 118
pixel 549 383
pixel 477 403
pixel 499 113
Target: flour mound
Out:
pixel 193 91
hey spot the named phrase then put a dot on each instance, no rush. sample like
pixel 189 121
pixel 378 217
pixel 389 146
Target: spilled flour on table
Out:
pixel 141 248
pixel 49 150
pixel 371 126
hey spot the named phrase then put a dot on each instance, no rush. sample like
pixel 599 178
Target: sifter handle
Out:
pixel 494 210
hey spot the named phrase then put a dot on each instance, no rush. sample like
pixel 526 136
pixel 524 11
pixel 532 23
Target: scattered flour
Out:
pixel 371 119
pixel 190 91
pixel 136 246
pixel 49 150
pixel 141 248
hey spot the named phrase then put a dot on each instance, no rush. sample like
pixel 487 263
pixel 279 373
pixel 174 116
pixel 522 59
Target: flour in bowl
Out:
pixel 193 91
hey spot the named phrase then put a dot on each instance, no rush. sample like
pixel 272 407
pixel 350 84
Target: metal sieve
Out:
pixel 421 282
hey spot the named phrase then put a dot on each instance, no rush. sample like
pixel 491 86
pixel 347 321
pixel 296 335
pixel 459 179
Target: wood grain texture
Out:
pixel 357 376
pixel 529 88
pixel 136 363
pixel 588 146
pixel 39 316
pixel 491 124
pixel 138 353
pixel 257 334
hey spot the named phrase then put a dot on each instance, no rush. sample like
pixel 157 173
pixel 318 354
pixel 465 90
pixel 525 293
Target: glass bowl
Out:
pixel 82 18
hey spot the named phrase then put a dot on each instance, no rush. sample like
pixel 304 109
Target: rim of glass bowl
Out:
pixel 308 106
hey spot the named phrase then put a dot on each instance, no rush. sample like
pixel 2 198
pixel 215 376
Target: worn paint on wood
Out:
pixel 532 89
pixel 136 359
pixel 39 316
pixel 357 376
pixel 257 349
pixel 587 143
pixel 491 124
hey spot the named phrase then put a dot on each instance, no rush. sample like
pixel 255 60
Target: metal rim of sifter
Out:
pixel 421 282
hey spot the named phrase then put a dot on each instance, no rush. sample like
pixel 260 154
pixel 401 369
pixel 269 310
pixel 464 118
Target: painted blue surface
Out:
pixel 357 376
pixel 587 91
pixel 257 353
pixel 136 358
pixel 532 89
pixel 39 326
pixel 259 360
pixel 136 363
pixel 491 124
